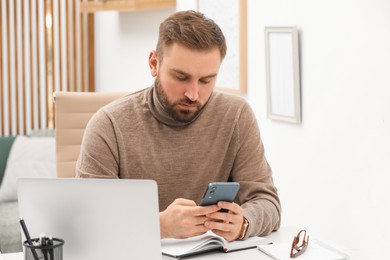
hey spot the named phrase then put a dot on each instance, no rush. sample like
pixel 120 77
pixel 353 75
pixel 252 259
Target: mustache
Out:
pixel 187 101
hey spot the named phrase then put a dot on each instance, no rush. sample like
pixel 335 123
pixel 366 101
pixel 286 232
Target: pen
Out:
pixel 27 235
pixel 51 250
pixel 43 242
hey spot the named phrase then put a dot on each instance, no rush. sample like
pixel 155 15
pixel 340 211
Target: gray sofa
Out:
pixel 10 237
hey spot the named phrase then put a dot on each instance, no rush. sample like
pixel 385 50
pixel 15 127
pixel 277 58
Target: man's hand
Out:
pixel 226 224
pixel 183 218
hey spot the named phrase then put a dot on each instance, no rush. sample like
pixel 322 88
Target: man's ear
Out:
pixel 153 63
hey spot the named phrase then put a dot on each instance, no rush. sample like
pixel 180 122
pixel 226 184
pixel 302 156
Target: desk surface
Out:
pixel 283 235
pixel 244 254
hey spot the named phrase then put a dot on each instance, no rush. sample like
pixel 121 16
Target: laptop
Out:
pixel 99 219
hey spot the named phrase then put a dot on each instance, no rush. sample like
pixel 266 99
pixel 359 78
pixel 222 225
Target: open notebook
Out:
pixel 206 242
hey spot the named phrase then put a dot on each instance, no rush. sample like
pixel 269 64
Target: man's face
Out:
pixel 185 79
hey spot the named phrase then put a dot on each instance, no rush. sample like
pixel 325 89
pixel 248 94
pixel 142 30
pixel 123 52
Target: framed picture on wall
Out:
pixel 283 74
pixel 230 15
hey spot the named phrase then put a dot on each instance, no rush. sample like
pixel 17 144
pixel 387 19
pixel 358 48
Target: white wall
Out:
pixel 333 170
pixel 123 42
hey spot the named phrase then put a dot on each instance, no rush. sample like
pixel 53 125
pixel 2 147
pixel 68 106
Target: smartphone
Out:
pixel 220 191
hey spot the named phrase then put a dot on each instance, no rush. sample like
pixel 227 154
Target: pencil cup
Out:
pixel 37 251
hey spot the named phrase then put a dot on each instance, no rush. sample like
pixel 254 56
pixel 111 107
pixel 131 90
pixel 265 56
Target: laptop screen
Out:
pixel 97 218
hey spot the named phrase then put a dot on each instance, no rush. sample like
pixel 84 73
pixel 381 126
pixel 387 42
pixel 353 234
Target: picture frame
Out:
pixel 283 74
pixel 232 76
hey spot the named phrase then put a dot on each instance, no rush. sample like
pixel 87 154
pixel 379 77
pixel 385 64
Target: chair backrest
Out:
pixel 72 112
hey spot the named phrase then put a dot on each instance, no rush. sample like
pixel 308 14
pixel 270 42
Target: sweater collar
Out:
pixel 159 112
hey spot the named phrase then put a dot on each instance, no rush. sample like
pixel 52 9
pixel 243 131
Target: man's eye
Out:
pixel 205 81
pixel 181 78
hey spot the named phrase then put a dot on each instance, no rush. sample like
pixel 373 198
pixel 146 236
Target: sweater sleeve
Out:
pixel 99 154
pixel 258 195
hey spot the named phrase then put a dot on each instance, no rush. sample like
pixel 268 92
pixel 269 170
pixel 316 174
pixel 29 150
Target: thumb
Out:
pixel 184 202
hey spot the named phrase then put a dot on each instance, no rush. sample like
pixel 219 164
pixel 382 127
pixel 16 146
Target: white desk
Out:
pixel 248 254
pixel 283 235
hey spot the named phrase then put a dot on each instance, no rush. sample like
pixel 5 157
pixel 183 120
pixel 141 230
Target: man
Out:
pixel 183 135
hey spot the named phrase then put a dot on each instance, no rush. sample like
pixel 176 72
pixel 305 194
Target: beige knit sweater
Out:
pixel 134 138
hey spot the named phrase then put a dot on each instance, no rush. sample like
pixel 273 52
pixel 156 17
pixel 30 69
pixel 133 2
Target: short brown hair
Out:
pixel 192 29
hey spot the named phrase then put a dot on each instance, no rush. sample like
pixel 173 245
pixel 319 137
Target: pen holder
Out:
pixel 46 252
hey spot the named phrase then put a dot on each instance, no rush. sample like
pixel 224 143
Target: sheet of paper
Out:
pixel 314 251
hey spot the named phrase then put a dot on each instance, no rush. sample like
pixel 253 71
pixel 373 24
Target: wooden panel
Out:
pixel 38 36
pixel 44 47
pixel 32 107
pixel 8 21
pixel 91 52
pixel 15 100
pixel 22 72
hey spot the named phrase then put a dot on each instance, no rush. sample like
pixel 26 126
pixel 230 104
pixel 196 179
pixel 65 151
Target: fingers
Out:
pixel 194 209
pixel 231 206
pixel 228 230
pixel 199 220
pixel 223 220
pixel 226 224
pixel 183 218
pixel 204 210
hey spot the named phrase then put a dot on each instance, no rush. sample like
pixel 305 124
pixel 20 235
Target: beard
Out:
pixel 177 113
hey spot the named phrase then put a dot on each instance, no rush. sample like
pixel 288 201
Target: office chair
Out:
pixel 72 113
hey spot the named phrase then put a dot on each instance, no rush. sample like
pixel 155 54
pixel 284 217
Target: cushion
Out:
pixel 10 237
pixel 5 147
pixel 29 157
pixel 42 133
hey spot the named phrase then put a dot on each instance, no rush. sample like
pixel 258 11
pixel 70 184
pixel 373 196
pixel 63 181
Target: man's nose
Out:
pixel 192 91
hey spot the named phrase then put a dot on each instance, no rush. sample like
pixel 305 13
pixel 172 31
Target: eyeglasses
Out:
pixel 299 244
